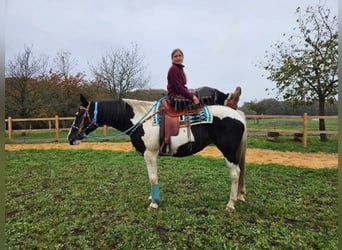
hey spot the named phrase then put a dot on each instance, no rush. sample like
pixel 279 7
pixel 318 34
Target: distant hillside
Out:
pixel 146 94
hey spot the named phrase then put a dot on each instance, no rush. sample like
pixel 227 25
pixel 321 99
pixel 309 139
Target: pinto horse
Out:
pixel 227 130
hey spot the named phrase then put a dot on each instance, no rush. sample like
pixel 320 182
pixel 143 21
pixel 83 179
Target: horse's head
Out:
pixel 84 123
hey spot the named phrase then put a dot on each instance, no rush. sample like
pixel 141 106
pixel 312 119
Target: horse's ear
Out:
pixel 83 100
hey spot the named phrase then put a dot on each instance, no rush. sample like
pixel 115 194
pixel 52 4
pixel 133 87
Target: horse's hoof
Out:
pixel 241 198
pixel 230 209
pixel 230 206
pixel 152 206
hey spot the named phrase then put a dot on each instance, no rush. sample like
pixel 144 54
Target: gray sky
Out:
pixel 222 40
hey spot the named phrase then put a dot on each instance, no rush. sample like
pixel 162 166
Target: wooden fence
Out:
pixel 54 125
pixel 303 132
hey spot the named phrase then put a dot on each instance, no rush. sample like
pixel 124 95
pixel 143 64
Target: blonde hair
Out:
pixel 176 50
pixel 179 50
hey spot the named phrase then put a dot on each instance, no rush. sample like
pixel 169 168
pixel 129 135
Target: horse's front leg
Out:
pixel 234 172
pixel 151 163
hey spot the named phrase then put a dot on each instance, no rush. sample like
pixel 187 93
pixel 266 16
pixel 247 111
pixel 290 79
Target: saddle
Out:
pixel 170 124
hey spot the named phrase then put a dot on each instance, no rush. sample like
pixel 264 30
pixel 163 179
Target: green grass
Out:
pixel 287 143
pixel 85 199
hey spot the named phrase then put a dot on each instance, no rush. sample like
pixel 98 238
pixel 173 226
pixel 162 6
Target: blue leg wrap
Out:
pixel 155 193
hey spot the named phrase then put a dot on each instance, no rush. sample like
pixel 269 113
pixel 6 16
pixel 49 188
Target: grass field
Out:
pixel 286 143
pixel 85 199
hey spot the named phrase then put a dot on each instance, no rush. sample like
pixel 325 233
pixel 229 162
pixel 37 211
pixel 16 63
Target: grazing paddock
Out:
pixel 89 199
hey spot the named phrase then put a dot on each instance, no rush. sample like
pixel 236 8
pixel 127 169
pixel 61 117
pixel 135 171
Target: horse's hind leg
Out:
pixel 234 171
pixel 151 163
pixel 242 183
pixel 241 156
pixel 241 188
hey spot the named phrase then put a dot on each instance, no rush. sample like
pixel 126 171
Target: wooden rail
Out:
pixel 304 131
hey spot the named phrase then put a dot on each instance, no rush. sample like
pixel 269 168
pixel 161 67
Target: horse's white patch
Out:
pixel 142 109
pixel 151 136
pixel 223 111
pixel 142 114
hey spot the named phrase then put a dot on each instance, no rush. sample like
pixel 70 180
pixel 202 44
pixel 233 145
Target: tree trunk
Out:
pixel 321 112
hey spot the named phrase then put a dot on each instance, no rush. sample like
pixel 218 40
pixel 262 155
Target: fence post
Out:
pixel 305 129
pixel 9 120
pixel 105 130
pixel 57 128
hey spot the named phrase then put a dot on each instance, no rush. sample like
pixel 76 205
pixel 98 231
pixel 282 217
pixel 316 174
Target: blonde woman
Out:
pixel 179 95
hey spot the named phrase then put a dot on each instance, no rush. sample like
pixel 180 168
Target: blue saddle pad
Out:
pixel 204 116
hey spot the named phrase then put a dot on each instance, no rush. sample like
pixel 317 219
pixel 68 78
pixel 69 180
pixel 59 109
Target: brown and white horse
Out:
pixel 226 130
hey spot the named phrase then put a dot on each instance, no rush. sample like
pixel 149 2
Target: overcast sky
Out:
pixel 222 40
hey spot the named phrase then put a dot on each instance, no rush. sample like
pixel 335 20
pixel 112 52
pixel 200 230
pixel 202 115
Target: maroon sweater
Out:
pixel 176 82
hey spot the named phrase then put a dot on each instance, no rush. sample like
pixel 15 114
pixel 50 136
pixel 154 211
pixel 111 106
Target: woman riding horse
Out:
pixel 178 94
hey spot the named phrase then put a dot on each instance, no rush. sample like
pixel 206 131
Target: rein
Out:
pixel 128 131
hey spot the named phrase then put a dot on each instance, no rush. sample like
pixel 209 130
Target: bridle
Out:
pixel 81 131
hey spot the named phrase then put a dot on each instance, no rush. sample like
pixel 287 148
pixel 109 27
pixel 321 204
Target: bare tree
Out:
pixel 64 64
pixel 22 72
pixel 26 66
pixel 121 70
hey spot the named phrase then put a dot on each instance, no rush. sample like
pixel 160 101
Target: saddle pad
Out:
pixel 203 116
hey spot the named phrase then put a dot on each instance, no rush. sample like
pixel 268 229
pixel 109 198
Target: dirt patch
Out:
pixel 257 156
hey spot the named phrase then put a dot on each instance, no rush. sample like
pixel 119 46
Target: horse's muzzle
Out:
pixel 74 142
pixel 74 138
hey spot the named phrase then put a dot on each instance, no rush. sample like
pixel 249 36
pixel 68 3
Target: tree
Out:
pixel 305 67
pixel 121 70
pixel 63 63
pixel 67 86
pixel 66 90
pixel 22 74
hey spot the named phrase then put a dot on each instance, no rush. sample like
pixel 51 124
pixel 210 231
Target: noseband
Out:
pixel 81 131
